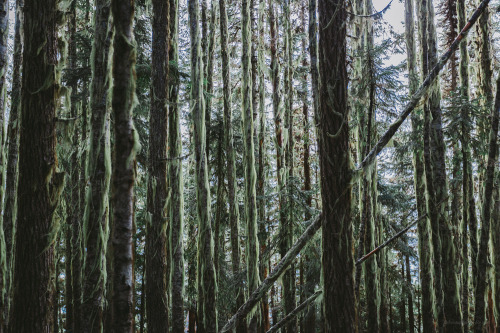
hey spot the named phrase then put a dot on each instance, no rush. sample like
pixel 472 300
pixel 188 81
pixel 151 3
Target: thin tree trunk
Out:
pixel 40 185
pixel 384 289
pixel 333 142
pixel 99 170
pixel 10 206
pixel 286 228
pixel 495 239
pixel 4 28
pixel 411 315
pixel 252 244
pixel 206 277
pixel 402 304
pixel 125 148
pixel 157 275
pixel 176 181
pixel 231 160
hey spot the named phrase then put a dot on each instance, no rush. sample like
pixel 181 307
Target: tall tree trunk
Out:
pixel 449 260
pixel 252 244
pixel 402 309
pixel 482 256
pixel 495 240
pixel 468 201
pixel 411 316
pixel 261 176
pixel 176 180
pixel 333 141
pixel 4 28
pixel 73 221
pixel 231 159
pixel 156 236
pixel 98 170
pixel 40 185
pixel 384 289
pixel 424 238
pixel 10 212
pixel 206 279
pixel 286 228
pixel 126 145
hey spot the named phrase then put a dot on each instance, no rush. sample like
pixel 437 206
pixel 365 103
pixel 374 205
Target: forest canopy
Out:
pixel 249 166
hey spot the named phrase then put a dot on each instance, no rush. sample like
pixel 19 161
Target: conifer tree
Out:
pixel 339 312
pixel 156 236
pixel 206 278
pixel 176 179
pixel 126 146
pixel 40 183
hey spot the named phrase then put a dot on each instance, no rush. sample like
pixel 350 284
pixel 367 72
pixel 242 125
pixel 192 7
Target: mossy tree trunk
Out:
pixel 423 227
pixel 156 234
pixel 482 256
pixel 176 180
pixel 286 227
pixel 10 206
pixel 98 171
pixel 230 157
pixel 40 183
pixel 252 244
pixel 339 303
pixel 4 28
pixel 206 278
pixel 125 148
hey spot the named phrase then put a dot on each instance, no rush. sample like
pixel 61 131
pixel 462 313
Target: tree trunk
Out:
pixel 40 185
pixel 156 237
pixel 424 241
pixel 252 244
pixel 99 172
pixel 176 181
pixel 231 160
pixel 10 212
pixel 126 145
pixel 402 309
pixel 411 316
pixel 333 142
pixel 206 279
pixel 482 256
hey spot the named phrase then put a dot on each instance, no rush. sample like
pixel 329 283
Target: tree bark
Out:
pixel 334 158
pixel 482 256
pixel 157 275
pixel 206 278
pixel 40 185
pixel 126 145
pixel 98 170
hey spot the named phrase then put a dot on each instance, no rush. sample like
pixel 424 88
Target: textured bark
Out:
pixel 445 258
pixel 40 185
pixel 334 158
pixel 125 148
pixel 261 176
pixel 495 240
pixel 252 243
pixel 468 201
pixel 424 241
pixel 10 206
pixel 482 256
pixel 206 277
pixel 384 288
pixel 176 181
pixel 4 27
pixel 156 236
pixel 230 156
pixel 402 304
pixel 98 171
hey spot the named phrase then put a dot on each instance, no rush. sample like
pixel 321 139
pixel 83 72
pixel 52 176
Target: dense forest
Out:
pixel 249 166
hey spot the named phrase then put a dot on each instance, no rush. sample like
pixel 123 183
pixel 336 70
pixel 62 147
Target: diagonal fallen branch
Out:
pixel 295 312
pixel 258 293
